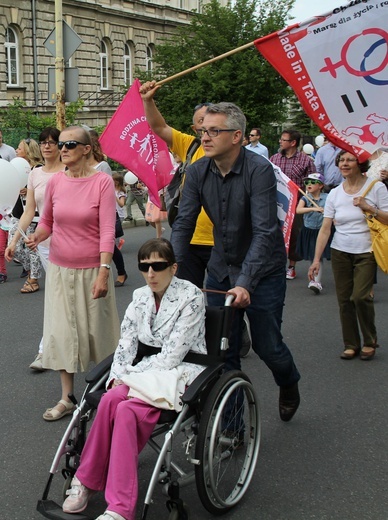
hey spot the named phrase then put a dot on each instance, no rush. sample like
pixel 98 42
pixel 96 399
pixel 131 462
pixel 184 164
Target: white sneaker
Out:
pixel 110 515
pixel 78 497
pixel 37 364
pixel 316 287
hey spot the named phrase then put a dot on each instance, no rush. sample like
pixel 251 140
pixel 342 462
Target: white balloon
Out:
pixel 319 140
pixel 308 148
pixel 130 178
pixel 9 184
pixel 23 169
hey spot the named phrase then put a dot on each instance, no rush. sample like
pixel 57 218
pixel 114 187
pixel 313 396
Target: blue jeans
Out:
pixel 265 317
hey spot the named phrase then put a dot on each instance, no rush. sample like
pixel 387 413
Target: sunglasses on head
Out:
pixel 70 145
pixel 306 183
pixel 156 266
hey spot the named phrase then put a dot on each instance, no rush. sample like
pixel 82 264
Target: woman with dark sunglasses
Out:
pixel 168 313
pixel 80 316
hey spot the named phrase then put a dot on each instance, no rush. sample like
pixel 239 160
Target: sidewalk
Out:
pixel 138 219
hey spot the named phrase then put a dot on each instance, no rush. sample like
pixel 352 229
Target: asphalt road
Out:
pixel 328 463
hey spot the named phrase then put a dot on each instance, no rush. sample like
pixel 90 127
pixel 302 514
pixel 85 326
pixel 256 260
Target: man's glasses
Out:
pixel 253 135
pixel 286 140
pixel 70 145
pixel 201 105
pixel 156 266
pixel 48 143
pixel 214 132
pixel 307 183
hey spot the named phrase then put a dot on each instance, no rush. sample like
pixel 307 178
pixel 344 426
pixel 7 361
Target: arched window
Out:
pixel 104 65
pixel 128 77
pixel 149 63
pixel 12 57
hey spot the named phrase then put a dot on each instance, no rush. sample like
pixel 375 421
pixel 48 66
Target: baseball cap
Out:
pixel 315 177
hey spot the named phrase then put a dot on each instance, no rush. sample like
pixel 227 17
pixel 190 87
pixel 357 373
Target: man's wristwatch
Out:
pixel 107 266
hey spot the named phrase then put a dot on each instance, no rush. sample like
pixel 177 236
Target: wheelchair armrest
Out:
pixel 99 370
pixel 200 381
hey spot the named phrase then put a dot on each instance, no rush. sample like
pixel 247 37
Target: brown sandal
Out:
pixel 29 287
pixel 350 353
pixel 368 354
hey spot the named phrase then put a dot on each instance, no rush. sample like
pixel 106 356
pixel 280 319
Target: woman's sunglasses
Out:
pixel 156 266
pixel 306 183
pixel 70 145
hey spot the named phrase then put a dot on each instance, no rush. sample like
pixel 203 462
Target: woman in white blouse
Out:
pixel 167 313
pixel 353 263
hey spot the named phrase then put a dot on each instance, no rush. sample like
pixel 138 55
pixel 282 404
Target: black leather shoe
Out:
pixel 289 400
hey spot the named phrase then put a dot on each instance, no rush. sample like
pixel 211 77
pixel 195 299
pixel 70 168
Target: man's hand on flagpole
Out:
pixel 148 90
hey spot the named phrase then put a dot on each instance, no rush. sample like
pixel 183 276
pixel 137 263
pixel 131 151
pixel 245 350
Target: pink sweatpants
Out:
pixel 3 247
pixel 109 459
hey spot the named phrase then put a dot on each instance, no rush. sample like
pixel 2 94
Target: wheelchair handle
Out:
pixel 229 296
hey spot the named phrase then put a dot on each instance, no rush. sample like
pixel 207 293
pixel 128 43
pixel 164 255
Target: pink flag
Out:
pixel 287 197
pixel 337 65
pixel 129 140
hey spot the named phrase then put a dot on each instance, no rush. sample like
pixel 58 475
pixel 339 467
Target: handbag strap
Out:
pixel 369 187
pixel 369 216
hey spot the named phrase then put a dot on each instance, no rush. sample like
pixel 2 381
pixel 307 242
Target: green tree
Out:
pixel 18 121
pixel 244 78
pixel 301 121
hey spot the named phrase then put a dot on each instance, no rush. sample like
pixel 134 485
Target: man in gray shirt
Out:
pixel 238 192
pixel 6 151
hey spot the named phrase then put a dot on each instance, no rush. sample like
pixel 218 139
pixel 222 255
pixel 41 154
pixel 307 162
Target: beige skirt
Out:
pixel 77 329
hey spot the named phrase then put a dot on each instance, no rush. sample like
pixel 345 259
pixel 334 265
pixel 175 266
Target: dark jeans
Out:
pixel 265 317
pixel 193 268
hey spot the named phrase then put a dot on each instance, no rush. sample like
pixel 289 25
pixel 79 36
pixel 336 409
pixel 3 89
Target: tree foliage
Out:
pixel 18 121
pixel 244 78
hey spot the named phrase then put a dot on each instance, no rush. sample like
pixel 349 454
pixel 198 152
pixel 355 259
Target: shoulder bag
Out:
pixel 378 234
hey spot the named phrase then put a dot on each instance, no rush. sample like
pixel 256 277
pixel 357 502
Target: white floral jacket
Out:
pixel 177 327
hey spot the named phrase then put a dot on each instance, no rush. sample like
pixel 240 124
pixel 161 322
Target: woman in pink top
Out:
pixel 80 317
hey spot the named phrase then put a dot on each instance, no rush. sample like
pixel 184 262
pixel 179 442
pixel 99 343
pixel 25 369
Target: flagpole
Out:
pixel 191 69
pixel 307 197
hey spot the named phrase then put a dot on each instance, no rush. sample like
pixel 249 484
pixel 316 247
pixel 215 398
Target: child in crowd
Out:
pixel 121 196
pixel 5 226
pixel 118 258
pixel 311 207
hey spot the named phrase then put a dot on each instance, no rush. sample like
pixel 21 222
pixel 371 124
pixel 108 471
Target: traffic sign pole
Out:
pixel 59 67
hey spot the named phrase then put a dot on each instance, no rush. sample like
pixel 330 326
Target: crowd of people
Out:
pixel 226 237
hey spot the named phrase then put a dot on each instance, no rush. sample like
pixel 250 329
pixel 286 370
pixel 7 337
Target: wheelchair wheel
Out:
pixel 228 442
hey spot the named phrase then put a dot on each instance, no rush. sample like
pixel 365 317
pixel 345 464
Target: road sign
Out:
pixel 71 84
pixel 71 42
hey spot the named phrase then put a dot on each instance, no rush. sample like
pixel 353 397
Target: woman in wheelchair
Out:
pixel 167 313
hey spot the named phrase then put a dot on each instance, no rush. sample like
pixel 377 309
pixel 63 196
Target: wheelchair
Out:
pixel 219 427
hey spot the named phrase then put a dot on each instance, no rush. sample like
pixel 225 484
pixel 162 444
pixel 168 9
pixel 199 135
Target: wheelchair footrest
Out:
pixel 50 509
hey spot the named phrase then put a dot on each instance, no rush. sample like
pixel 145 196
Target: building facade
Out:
pixel 117 36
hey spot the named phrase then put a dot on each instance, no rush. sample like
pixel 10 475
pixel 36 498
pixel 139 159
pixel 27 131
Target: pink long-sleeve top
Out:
pixel 80 214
